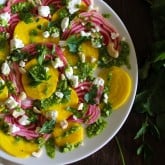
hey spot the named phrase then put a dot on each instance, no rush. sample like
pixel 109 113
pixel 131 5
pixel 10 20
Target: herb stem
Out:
pixel 120 150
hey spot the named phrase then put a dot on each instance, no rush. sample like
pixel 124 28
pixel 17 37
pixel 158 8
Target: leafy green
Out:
pixel 17 55
pixel 73 43
pixel 50 148
pixel 47 127
pixel 91 95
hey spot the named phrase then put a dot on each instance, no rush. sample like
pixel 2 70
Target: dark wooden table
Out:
pixel 137 17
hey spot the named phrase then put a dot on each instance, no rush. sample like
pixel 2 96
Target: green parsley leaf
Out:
pixel 47 127
pixel 91 95
pixel 73 43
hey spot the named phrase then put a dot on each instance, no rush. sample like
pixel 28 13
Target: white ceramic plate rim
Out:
pixel 116 120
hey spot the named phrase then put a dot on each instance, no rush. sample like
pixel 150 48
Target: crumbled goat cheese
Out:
pixel 64 124
pixel 69 72
pixel 46 34
pixel 52 114
pixel 24 120
pixel 16 43
pixel 38 153
pixel 11 103
pixel 4 18
pixel 44 11
pixel 80 106
pixel 75 81
pixel 98 81
pixel 22 96
pixel 5 68
pixel 57 63
pixel 17 113
pixel 65 23
pixel 13 128
pixel 59 95
pixel 73 6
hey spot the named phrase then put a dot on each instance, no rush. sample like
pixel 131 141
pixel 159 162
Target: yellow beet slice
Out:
pixel 3 93
pixel 71 58
pixel 44 89
pixel 4 52
pixel 21 148
pixel 120 87
pixel 31 32
pixel 89 51
pixel 61 108
pixel 75 137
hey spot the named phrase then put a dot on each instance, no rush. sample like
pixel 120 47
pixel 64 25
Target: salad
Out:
pixel 61 74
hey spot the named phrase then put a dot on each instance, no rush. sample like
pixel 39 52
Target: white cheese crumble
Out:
pixel 59 95
pixel 82 57
pixel 17 113
pixel 93 60
pixel 22 63
pixel 69 72
pixel 75 81
pixel 98 81
pixel 114 35
pixel 4 18
pixel 44 11
pixel 16 43
pixel 85 34
pixel 73 6
pixel 38 153
pixel 5 68
pixel 64 124
pixel 24 120
pixel 51 114
pixel 2 2
pixel 80 107
pixel 11 103
pixel 55 34
pixel 105 99
pixel 57 63
pixel 62 43
pixel 22 96
pixel 46 34
pixel 65 23
pixel 13 128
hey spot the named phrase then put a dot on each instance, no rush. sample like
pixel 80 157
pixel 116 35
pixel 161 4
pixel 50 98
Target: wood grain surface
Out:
pixel 137 18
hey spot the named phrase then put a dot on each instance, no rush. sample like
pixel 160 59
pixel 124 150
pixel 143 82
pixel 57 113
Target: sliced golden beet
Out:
pixel 4 52
pixel 66 136
pixel 71 58
pixel 17 148
pixel 89 51
pixel 3 93
pixel 32 32
pixel 120 87
pixel 43 90
pixel 61 108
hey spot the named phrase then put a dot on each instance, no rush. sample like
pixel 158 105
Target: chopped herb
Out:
pixel 32 116
pixel 69 147
pixel 42 51
pixel 106 110
pixel 17 55
pixel 105 60
pixel 3 40
pixel 50 147
pixel 73 43
pixel 62 13
pixel 38 74
pixel 95 128
pixel 106 15
pixel 23 9
pixel 33 32
pixel 47 127
pixel 70 131
pixel 10 86
pixel 2 86
pixel 85 70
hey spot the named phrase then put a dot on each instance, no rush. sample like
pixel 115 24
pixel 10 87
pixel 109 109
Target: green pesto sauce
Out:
pixel 105 60
pixel 95 128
